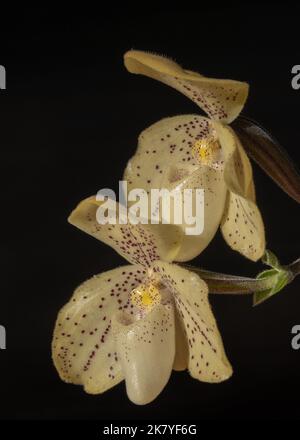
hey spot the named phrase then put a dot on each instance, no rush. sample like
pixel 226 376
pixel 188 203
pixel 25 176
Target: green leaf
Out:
pixel 271 260
pixel 268 273
pixel 278 278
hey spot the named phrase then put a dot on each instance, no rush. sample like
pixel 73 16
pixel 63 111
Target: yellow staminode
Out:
pixel 145 296
pixel 206 151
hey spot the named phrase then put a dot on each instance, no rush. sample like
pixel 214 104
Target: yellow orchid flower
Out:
pixel 192 151
pixel 139 321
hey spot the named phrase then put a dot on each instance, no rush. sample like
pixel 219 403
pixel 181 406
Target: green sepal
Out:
pixel 277 277
pixel 271 260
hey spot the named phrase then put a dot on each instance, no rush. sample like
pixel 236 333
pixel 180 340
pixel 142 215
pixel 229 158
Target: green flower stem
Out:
pixel 294 268
pixel 219 283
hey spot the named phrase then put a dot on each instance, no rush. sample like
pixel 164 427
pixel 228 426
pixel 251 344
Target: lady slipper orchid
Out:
pixel 139 321
pixel 192 151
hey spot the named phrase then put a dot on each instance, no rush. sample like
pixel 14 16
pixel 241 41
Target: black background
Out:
pixel 70 118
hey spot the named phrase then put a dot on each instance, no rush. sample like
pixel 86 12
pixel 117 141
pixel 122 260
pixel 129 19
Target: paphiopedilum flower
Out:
pixel 139 321
pixel 192 151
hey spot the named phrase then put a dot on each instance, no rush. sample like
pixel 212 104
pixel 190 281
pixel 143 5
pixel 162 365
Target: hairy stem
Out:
pixel 294 268
pixel 220 283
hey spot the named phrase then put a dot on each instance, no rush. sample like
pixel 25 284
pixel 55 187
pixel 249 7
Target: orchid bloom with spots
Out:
pixel 192 151
pixel 139 321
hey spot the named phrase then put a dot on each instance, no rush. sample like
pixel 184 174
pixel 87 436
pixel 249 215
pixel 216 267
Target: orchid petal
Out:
pixel 164 160
pixel 207 358
pixel 238 174
pixel 242 225
pixel 83 346
pixel 146 349
pixel 221 99
pixel 139 244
